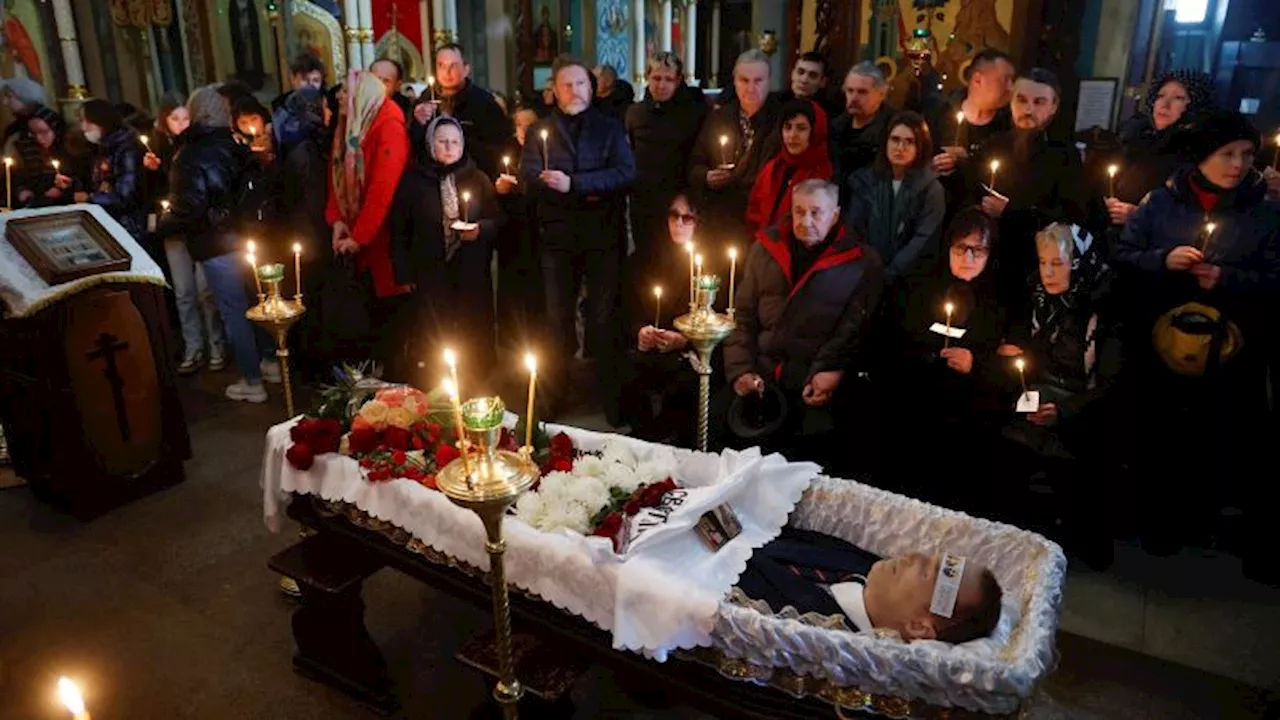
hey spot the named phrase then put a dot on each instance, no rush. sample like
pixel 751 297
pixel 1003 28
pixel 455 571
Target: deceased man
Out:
pixel 921 597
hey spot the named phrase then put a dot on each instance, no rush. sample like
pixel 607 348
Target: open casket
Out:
pixel 669 599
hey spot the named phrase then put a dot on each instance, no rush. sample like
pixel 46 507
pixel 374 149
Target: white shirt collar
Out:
pixel 849 596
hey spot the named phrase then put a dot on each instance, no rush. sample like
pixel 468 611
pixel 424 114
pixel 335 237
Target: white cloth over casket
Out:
pixel 664 594
pixel 25 292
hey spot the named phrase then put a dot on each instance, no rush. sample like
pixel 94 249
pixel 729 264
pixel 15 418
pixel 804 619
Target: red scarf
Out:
pixel 814 162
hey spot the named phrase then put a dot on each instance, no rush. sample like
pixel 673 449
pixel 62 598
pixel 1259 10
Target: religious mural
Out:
pixel 613 36
pixel 546 35
pixel 22 48
pixel 958 30
pixel 316 30
pixel 397 25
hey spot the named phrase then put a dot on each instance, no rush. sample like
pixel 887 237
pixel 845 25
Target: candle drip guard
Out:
pixel 704 328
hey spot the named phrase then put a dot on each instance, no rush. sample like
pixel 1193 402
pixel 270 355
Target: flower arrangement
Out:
pixel 594 493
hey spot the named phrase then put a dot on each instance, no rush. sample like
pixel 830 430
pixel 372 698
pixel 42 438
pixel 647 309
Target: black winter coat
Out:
pixel 662 137
pixel 790 329
pixel 725 210
pixel 204 187
pixel 903 227
pixel 853 149
pixel 485 126
pixel 1246 245
pixel 601 169
pixel 117 181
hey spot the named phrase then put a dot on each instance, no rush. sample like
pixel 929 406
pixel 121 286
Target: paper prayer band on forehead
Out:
pixel 947 587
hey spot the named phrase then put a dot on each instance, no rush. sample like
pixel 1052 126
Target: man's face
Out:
pixel 807 79
pixel 387 73
pixel 573 90
pixel 990 85
pixel 751 82
pixel 451 70
pixel 313 80
pixel 663 82
pixel 812 216
pixel 1034 105
pixel 524 120
pixel 899 591
pixel 861 96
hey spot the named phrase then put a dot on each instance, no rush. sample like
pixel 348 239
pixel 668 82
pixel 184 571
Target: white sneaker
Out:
pixel 217 359
pixel 242 390
pixel 271 371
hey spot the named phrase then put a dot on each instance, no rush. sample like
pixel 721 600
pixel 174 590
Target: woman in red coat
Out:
pixel 371 149
pixel 803 156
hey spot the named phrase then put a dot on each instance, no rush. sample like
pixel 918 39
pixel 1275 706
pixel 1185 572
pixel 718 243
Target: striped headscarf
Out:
pixel 365 95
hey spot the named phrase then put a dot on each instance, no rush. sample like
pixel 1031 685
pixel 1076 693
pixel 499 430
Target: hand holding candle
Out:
pixel 69 694
pixel 531 363
pixel 995 165
pixel 544 135
pixel 657 311
pixel 959 124
pixel 946 339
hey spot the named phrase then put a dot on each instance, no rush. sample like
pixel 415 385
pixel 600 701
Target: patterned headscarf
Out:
pixel 1087 273
pixel 448 185
pixel 1199 91
pixel 365 95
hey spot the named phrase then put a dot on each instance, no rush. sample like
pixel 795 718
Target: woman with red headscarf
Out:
pixel 370 151
pixel 803 156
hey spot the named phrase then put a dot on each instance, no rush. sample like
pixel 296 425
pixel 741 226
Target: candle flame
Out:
pixel 1020 364
pixel 506 160
pixel 949 308
pixel 144 139
pixel 164 205
pixel 449 358
pixel 1211 227
pixel 657 290
pixel 466 197
pixel 688 247
pixel 251 258
pixel 543 133
pixel 431 79
pixel 531 362
pixel 8 160
pixel 450 389
pixel 251 246
pixel 960 117
pixel 69 694
pixel 1277 138
pixel 57 164
pixel 297 248
pixel 733 253
pixel 724 140
pixel 697 260
pixel 995 165
pixel 1113 170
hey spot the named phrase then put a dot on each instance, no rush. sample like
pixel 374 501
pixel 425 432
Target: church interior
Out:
pixel 165 599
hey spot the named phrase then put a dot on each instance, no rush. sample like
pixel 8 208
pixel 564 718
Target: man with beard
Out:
pixel 858 134
pixel 577 174
pixel 1038 181
pixel 737 140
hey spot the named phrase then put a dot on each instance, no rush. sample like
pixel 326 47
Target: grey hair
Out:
pixel 1057 236
pixel 754 55
pixel 664 59
pixel 209 108
pixel 868 69
pixel 816 186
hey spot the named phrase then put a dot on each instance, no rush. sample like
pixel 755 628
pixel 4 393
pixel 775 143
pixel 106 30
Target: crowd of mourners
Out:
pixel 952 299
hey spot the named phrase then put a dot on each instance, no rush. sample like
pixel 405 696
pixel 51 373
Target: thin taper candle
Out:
pixel 688 246
pixel 253 263
pixel 530 362
pixel 1208 236
pixel 1022 373
pixel 959 124
pixel 657 306
pixel 431 86
pixel 995 165
pixel 1275 163
pixel 1111 177
pixel 451 388
pixel 545 164
pixel 733 271
pixel 506 164
pixel 466 198
pixel 8 182
pixel 724 151
pixel 297 270
pixel 146 142
pixel 946 339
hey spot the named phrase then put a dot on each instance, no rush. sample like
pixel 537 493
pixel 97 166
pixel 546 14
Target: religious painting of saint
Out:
pixel 317 31
pixel 66 246
pixel 968 26
pixel 546 42
pixel 22 48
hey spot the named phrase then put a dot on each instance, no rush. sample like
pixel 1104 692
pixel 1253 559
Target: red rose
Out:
pixel 300 456
pixel 362 441
pixel 446 454
pixel 413 473
pixel 430 481
pixel 301 431
pixel 560 464
pixel 631 507
pixel 396 438
pixel 561 446
pixel 326 435
pixel 609 528
pixel 651 495
pixel 397 458
pixel 377 475
pixel 418 442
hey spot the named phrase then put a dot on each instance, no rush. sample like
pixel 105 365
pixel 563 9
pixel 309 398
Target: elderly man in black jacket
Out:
pixel 578 168
pixel 204 184
pixel 803 305
pixel 487 127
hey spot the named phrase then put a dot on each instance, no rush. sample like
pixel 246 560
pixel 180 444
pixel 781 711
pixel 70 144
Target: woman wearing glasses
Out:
pixel 660 389
pixel 938 361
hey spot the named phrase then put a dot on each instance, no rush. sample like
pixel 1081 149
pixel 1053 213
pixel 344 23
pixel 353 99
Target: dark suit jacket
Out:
pixel 783 573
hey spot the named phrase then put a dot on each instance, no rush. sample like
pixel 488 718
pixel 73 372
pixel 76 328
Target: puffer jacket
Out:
pixel 117 182
pixel 902 227
pixel 790 329
pixel 204 184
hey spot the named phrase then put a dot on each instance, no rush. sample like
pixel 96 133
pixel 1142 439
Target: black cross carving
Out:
pixel 108 345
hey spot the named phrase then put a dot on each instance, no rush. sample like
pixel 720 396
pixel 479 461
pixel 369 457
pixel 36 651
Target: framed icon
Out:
pixel 67 246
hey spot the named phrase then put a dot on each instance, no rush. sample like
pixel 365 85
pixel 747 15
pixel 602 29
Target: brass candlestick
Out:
pixel 487 485
pixel 704 328
pixel 276 315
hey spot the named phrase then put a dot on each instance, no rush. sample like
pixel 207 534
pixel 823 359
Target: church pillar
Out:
pixel 66 27
pixel 351 30
pixel 637 15
pixel 689 32
pixel 715 43
pixel 366 32
pixel 451 19
pixel 665 30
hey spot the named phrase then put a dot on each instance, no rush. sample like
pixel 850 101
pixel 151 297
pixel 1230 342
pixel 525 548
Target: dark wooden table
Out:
pixel 335 648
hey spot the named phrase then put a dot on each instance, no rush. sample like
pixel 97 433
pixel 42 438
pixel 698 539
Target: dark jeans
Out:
pixel 562 272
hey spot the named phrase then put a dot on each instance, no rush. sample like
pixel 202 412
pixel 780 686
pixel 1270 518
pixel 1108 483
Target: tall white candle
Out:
pixel 733 271
pixel 544 135
pixel 297 269
pixel 531 363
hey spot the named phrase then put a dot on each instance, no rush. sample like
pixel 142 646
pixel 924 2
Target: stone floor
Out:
pixel 164 609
